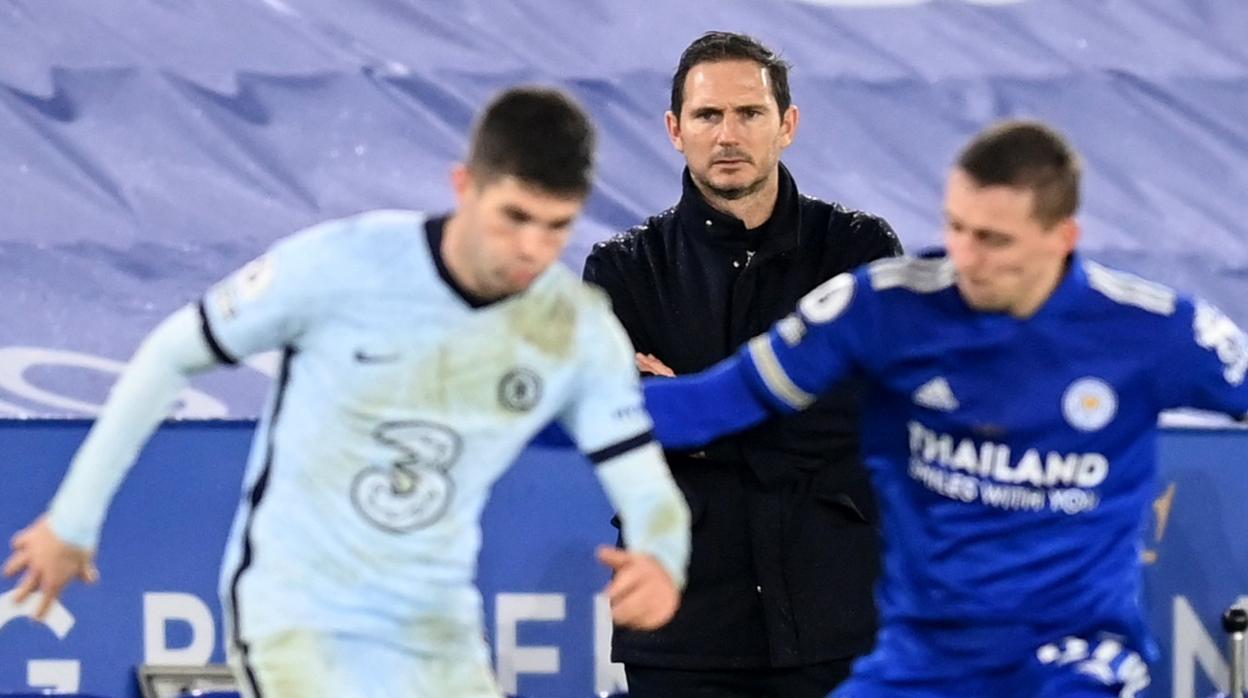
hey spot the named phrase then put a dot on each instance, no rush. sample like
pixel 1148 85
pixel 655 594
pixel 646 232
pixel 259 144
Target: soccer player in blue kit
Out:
pixel 1010 425
pixel 420 356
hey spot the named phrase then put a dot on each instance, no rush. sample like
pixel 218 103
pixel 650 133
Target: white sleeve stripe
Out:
pixel 774 375
pixel 1129 289
pixel 917 274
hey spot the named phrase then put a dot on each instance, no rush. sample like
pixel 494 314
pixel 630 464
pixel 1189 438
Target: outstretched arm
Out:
pixel 58 546
pixel 690 411
pixel 779 372
pixel 264 305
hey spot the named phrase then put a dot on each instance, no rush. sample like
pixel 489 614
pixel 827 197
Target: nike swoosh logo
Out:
pixel 364 357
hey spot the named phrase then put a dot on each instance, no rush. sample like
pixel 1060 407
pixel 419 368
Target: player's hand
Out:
pixel 642 594
pixel 49 563
pixel 647 363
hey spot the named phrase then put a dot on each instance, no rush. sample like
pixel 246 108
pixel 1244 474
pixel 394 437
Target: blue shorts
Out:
pixel 904 665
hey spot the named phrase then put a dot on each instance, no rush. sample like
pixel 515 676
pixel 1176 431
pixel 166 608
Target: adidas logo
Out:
pixel 936 394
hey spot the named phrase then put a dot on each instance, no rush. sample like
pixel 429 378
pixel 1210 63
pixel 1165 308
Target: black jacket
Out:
pixel 785 549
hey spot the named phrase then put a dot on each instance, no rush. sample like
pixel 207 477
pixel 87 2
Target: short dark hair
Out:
pixel 538 135
pixel 1027 155
pixel 713 47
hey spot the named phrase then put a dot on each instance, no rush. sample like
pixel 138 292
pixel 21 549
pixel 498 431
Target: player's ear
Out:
pixel 673 130
pixel 1069 231
pixel 462 182
pixel 788 125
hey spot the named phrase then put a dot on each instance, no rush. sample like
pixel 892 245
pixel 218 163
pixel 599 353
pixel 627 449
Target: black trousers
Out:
pixel 814 681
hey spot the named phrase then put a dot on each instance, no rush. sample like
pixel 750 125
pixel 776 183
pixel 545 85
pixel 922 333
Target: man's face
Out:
pixel 1005 258
pixel 730 127
pixel 512 231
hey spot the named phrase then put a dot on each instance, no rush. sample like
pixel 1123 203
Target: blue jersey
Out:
pixel 1014 458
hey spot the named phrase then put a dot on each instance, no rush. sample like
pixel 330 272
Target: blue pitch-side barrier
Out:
pixel 156 602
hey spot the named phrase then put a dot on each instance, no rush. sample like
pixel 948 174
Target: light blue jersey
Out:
pixel 1014 458
pixel 398 404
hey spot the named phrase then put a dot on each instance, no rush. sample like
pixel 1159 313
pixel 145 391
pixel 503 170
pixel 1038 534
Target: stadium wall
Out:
pixel 156 602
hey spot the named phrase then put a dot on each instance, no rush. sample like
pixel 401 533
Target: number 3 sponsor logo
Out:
pixel 414 490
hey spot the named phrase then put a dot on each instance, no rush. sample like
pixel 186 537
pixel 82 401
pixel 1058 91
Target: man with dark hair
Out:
pixel 714 47
pixel 420 356
pixel 537 136
pixel 785 547
pixel 1013 389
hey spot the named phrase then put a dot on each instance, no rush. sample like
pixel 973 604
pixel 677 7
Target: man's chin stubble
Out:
pixel 734 193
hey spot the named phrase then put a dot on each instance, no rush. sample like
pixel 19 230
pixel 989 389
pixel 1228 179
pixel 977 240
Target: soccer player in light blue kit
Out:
pixel 420 356
pixel 1010 425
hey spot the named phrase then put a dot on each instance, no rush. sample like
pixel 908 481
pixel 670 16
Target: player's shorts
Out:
pixel 902 666
pixel 307 664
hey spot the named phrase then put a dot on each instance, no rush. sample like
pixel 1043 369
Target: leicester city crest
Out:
pixel 520 390
pixel 1089 404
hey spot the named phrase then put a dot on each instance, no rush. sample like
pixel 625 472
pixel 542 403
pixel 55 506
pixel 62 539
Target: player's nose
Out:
pixel 728 133
pixel 530 244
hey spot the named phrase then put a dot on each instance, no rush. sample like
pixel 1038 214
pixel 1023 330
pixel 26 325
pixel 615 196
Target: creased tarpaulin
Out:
pixel 148 148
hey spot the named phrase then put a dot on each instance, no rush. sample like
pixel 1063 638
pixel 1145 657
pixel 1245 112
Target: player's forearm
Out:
pixel 691 411
pixel 652 510
pixel 141 398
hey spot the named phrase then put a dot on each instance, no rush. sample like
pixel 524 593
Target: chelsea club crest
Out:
pixel 520 390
